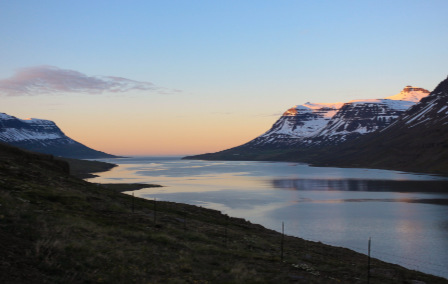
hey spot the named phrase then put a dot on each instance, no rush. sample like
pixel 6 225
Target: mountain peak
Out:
pixel 41 135
pixel 410 93
pixel 323 105
pixel 309 107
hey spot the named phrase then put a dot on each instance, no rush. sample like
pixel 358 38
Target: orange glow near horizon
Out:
pixel 148 125
pixel 152 138
pixel 162 147
pixel 165 144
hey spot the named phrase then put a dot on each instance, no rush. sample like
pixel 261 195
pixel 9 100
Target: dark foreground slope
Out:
pixel 55 228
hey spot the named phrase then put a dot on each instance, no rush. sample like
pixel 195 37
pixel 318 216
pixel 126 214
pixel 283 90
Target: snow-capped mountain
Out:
pixel 409 93
pixel 359 117
pixel 43 136
pixel 307 127
pixel 416 141
pixel 297 123
pixel 411 135
pixel 311 125
pixel 433 110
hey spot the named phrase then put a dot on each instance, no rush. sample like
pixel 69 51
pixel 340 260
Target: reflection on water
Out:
pixel 405 214
pixel 362 185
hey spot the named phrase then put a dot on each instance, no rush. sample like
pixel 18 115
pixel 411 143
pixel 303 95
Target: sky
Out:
pixel 189 77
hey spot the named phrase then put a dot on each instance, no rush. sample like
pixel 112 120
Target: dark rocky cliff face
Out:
pixel 43 136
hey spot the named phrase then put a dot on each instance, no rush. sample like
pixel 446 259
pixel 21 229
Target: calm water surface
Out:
pixel 405 215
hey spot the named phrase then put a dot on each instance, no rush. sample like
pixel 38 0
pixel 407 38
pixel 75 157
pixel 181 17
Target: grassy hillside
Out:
pixel 55 228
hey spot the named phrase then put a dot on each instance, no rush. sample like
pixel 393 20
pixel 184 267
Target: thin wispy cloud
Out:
pixel 271 114
pixel 223 112
pixel 41 80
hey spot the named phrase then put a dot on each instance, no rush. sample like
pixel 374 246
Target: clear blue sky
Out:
pixel 223 70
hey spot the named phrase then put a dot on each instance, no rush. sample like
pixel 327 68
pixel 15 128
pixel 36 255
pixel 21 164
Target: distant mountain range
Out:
pixel 43 136
pixel 407 131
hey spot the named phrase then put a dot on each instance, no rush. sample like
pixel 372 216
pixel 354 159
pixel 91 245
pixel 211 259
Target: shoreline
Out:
pixel 315 159
pixel 123 187
pixel 84 169
pixel 323 165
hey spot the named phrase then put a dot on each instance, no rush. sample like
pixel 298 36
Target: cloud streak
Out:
pixel 41 80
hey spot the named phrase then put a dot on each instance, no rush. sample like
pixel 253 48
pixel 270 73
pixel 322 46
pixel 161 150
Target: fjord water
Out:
pixel 405 214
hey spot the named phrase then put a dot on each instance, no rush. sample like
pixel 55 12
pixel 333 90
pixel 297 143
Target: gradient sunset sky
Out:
pixel 189 77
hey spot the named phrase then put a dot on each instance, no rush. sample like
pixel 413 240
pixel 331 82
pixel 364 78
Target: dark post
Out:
pixel 132 202
pixel 283 237
pixel 225 234
pixel 368 263
pixel 155 211
pixel 185 220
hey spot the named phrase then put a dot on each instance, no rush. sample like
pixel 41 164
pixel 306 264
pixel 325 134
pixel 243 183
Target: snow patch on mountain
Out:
pixel 303 120
pixel 11 135
pixel 359 117
pixel 313 124
pixel 38 121
pixel 410 93
pixel 4 116
pixel 43 136
pixel 13 129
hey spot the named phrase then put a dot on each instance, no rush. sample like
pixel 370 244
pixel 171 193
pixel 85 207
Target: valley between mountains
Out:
pixel 407 131
pixel 57 228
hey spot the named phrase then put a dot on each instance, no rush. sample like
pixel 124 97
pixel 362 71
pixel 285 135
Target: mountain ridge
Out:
pixel 43 136
pixel 416 141
pixel 423 124
pixel 316 124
